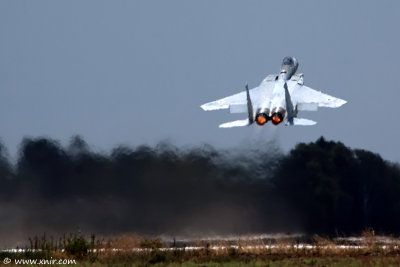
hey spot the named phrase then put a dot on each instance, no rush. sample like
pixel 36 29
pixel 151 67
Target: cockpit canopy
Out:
pixel 289 67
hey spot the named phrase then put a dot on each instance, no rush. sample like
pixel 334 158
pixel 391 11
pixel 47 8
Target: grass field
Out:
pixel 164 259
pixel 131 250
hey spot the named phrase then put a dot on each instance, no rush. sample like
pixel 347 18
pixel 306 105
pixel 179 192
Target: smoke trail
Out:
pixel 150 190
pixel 322 187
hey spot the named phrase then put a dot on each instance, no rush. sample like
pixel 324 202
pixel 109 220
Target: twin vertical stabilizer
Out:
pixel 244 122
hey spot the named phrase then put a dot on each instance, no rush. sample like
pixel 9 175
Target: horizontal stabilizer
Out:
pixel 214 106
pixel 237 123
pixel 304 122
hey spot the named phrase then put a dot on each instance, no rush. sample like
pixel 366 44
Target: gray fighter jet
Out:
pixel 278 99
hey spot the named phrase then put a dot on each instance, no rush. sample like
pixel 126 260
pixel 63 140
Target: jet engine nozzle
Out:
pixel 261 118
pixel 277 118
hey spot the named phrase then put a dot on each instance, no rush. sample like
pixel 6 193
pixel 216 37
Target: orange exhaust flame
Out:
pixel 276 120
pixel 261 120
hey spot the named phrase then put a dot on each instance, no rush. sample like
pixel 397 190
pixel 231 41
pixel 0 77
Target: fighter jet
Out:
pixel 278 99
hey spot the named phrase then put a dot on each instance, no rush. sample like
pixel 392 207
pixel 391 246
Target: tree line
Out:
pixel 321 187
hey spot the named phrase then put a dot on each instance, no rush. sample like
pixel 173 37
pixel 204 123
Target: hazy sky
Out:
pixel 134 72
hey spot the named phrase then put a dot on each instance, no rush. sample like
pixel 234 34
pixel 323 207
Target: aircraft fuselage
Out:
pixel 278 98
pixel 274 109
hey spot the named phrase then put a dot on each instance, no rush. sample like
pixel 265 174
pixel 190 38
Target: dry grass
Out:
pixel 136 250
pixel 125 242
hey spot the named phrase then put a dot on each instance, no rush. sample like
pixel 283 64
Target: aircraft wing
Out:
pixel 309 99
pixel 233 102
pixel 237 103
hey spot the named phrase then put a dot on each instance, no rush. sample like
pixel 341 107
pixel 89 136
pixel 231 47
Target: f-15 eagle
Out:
pixel 278 99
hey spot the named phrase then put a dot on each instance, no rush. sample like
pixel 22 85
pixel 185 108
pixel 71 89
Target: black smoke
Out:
pixel 322 187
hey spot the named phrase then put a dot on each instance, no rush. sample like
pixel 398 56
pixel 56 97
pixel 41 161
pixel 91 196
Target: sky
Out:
pixel 136 72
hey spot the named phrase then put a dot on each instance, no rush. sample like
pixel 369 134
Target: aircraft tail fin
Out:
pixel 250 114
pixel 238 123
pixel 249 106
pixel 303 122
